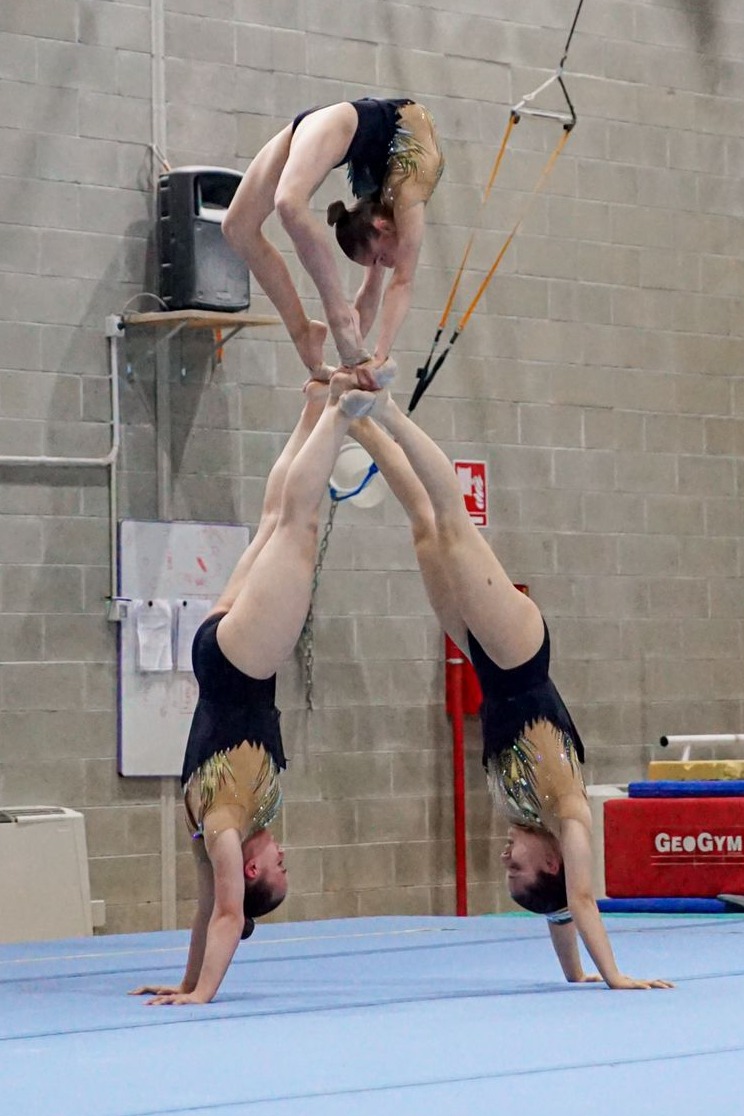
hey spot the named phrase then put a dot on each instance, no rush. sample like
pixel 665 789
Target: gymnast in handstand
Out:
pixel 234 752
pixel 394 162
pixel 532 750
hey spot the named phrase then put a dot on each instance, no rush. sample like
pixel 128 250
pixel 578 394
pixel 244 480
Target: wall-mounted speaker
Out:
pixel 198 269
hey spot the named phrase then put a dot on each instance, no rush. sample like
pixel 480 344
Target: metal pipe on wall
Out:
pixel 157 83
pixel 113 333
pixel 711 739
pixel 163 451
pixel 107 461
pixel 701 740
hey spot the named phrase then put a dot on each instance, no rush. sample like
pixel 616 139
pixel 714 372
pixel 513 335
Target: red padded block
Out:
pixel 673 847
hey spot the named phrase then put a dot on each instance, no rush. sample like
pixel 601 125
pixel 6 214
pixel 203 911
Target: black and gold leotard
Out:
pixel 532 750
pixel 234 752
pixel 395 143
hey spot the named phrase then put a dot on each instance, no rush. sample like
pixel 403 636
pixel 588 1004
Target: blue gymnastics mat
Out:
pixel 671 788
pixel 649 905
pixel 365 1017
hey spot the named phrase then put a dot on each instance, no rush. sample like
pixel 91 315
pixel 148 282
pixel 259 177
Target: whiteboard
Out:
pixel 171 563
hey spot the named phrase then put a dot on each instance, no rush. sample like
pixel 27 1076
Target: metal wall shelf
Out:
pixel 199 319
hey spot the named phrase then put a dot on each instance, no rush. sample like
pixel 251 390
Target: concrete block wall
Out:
pixel 601 379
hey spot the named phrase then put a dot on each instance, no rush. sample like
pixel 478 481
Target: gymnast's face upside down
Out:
pixel 529 855
pixel 263 866
pixel 382 247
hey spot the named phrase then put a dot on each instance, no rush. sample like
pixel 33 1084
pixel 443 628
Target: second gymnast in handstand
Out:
pixel 532 750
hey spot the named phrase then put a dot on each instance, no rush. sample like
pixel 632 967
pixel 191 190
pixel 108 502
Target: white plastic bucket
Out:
pixel 352 466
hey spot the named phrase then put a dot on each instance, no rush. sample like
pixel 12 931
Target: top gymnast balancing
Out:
pixel 234 751
pixel 532 750
pixel 394 163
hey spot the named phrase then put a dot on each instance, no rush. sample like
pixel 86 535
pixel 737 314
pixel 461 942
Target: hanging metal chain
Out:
pixel 306 642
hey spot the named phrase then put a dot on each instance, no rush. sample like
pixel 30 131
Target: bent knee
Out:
pixel 238 229
pixel 231 226
pixel 298 520
pixel 290 207
pixel 423 529
pixel 453 526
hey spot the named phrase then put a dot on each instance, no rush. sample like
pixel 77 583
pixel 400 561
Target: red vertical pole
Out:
pixel 454 675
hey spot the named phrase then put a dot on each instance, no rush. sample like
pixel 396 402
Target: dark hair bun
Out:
pixel 335 212
pixel 248 927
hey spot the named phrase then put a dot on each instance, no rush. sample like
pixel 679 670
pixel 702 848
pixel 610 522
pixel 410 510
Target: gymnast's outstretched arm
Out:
pixel 576 850
pixel 205 903
pixel 396 301
pixel 367 300
pixel 565 941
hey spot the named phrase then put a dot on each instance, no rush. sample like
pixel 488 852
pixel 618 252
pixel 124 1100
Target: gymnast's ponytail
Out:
pixel 337 211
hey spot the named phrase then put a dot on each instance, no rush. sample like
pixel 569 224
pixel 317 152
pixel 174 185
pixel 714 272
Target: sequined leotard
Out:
pixel 234 751
pixel 532 750
pixel 395 144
